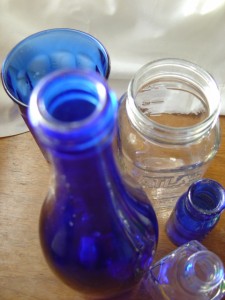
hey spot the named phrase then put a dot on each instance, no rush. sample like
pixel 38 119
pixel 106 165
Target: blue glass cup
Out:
pixel 44 52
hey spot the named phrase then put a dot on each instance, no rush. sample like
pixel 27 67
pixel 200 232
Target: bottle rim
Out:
pixel 206 186
pixel 202 272
pixel 177 70
pixel 55 92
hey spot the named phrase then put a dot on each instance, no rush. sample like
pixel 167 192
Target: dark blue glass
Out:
pixel 47 51
pixel 98 231
pixel 196 212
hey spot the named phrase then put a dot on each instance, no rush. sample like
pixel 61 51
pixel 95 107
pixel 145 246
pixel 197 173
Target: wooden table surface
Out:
pixel 24 179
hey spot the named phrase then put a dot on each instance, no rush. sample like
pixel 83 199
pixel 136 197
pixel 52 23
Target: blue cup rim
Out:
pixel 36 35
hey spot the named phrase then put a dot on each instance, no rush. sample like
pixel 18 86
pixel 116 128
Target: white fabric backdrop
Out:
pixel 133 31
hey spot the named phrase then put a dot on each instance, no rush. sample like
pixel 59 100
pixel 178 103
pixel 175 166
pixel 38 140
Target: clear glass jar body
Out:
pixel 98 231
pixel 168 128
pixel 191 272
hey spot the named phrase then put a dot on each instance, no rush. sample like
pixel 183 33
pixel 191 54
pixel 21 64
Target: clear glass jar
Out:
pixel 168 128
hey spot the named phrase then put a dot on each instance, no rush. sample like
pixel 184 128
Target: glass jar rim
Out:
pixel 175 69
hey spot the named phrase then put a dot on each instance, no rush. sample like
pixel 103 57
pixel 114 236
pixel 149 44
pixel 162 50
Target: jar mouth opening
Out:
pixel 172 96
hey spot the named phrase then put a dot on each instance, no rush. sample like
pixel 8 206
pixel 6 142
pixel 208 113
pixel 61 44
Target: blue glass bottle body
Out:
pixel 191 272
pixel 196 212
pixel 98 231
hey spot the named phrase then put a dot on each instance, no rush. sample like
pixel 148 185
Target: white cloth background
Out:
pixel 134 33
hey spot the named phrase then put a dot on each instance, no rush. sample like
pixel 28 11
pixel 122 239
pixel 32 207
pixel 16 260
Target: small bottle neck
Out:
pixel 205 199
pixel 202 272
pixel 172 89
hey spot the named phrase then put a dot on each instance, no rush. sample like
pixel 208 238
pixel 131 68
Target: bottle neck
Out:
pixel 205 199
pixel 172 101
pixel 73 115
pixel 202 272
pixel 90 166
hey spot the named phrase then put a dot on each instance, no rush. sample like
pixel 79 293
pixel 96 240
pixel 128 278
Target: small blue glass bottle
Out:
pixel 196 212
pixel 98 232
pixel 191 272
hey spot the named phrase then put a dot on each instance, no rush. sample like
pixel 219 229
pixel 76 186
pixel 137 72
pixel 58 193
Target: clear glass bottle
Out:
pixel 191 272
pixel 196 212
pixel 98 231
pixel 168 128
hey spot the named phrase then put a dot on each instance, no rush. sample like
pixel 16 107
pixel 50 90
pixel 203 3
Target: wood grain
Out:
pixel 24 179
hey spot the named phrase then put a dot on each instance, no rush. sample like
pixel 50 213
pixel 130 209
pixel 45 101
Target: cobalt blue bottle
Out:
pixel 196 212
pixel 98 231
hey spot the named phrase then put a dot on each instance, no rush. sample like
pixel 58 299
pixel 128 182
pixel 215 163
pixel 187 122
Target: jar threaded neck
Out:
pixel 165 87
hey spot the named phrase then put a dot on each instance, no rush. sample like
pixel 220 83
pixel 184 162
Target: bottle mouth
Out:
pixel 47 51
pixel 66 100
pixel 72 109
pixel 206 197
pixel 203 272
pixel 172 101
